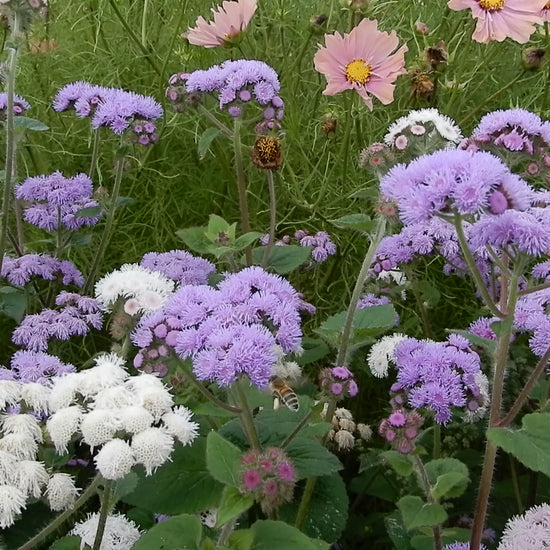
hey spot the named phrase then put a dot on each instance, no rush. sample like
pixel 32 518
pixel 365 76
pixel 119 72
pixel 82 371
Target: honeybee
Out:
pixel 282 392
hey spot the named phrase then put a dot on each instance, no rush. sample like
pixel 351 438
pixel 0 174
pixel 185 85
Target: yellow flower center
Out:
pixel 358 71
pixel 491 5
pixel 547 7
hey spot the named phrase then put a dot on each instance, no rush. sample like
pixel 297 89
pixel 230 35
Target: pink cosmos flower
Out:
pixel 230 19
pixel 364 60
pixel 501 19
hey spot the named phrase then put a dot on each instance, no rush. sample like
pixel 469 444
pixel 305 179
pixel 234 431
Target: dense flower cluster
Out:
pixel 268 476
pixel 440 375
pixel 114 108
pixel 19 271
pixel 229 329
pixel 180 266
pixel 338 382
pixel 120 532
pixel 322 244
pixel 382 354
pixel 236 84
pixel 56 200
pixel 77 314
pixel 530 531
pixel 401 428
pixel 345 434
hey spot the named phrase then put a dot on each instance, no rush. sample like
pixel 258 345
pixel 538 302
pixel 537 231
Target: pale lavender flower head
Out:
pixel 37 366
pixel 20 105
pixel 447 181
pixel 19 271
pixel 236 83
pixel 81 96
pixel 55 198
pixel 323 247
pixel 530 531
pixel 180 266
pixel 439 375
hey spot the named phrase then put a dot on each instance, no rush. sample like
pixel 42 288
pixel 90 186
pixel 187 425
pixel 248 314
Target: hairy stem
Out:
pixel 438 544
pixel 304 503
pixel 103 513
pixel 272 217
pixel 246 416
pixel 95 153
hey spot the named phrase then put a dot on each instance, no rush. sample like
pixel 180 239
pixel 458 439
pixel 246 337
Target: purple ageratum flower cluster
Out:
pixel 180 266
pixel 19 271
pixel 113 108
pixel 227 330
pixel 531 315
pixel 236 83
pixel 323 247
pixel 401 428
pixel 56 199
pixel 440 375
pixel 76 316
pixel 454 180
pixel 37 366
pixel 20 105
pixel 338 382
pixel 267 476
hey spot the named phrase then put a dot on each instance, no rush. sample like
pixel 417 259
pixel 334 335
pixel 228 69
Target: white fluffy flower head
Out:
pixel 152 448
pixel 120 533
pixel 115 459
pixel 528 532
pixel 381 354
pixel 178 423
pixel 62 425
pixel 61 492
pixel 12 503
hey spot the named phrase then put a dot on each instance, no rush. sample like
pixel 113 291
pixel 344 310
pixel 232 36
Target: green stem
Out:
pixel 95 153
pixel 342 356
pixel 533 289
pixel 226 532
pixel 103 513
pixel 523 396
pixel 183 11
pixel 220 125
pixel 246 417
pixel 515 484
pixel 144 23
pixel 509 296
pixel 241 185
pixel 344 149
pixel 438 544
pixel 61 518
pixel 272 217
pixel 133 36
pixel 10 134
pixel 437 441
pixel 105 237
pixel 304 503
pixel 471 263
pixel 301 425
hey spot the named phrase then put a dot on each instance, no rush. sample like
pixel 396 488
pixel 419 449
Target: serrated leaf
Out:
pixel 178 533
pixel 312 459
pixel 223 459
pixel 530 445
pixel 246 240
pixel 448 477
pixel 205 141
pixel 13 303
pixel 402 464
pixel 195 239
pixel 29 124
pixel 417 513
pixel 359 222
pixel 89 212
pixel 283 259
pixel 232 505
pixel 187 475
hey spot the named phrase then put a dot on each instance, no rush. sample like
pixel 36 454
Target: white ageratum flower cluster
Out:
pixel 132 419
pixel 426 123
pixel 344 430
pixel 289 370
pixel 120 533
pixel 381 354
pixel 141 289
pixel 531 531
pixel 22 477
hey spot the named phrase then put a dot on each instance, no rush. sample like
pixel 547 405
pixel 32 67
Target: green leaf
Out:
pixel 246 240
pixel 312 459
pixel 178 533
pixel 144 519
pixel 187 475
pixel 223 459
pixel 485 343
pixel 402 464
pixel 13 302
pixel 283 259
pixel 530 445
pixel 206 139
pixel 396 531
pixel 241 539
pixel 29 124
pixel 359 222
pixel 195 239
pixel 89 212
pixel 371 193
pixel 126 485
pixel 448 477
pixel 78 239
pixel 124 201
pixel 66 543
pixel 232 505
pixel 367 323
pixel 314 349
pixel 217 225
pixel 417 513
pixel 327 514
pixel 277 535
pixel 208 544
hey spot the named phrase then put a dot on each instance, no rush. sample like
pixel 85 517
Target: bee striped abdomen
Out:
pixel 283 392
